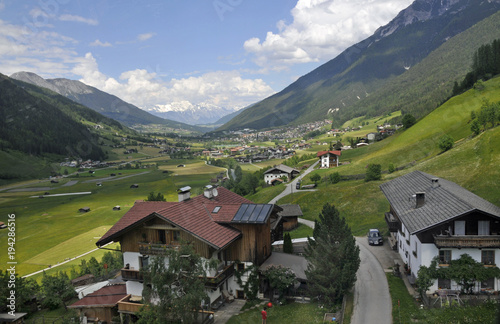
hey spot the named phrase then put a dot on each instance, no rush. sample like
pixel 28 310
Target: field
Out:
pixel 52 229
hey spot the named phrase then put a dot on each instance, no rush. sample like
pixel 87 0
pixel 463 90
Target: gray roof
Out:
pixel 284 168
pixel 297 263
pixel 290 211
pixel 444 202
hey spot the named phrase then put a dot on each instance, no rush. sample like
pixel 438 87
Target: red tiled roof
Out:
pixel 107 296
pixel 321 153
pixel 194 216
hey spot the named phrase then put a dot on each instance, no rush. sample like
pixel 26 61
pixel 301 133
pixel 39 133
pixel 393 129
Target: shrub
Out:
pixel 374 172
pixel 445 143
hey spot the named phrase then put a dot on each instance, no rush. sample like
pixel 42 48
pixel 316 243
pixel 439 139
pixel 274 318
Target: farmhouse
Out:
pixel 280 171
pixel 432 217
pixel 220 225
pixel 329 159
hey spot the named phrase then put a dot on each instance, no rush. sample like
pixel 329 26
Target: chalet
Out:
pixel 329 159
pixel 17 318
pixel 100 306
pixel 134 186
pixel 433 217
pixel 116 207
pixel 219 224
pixel 280 171
pixel 290 215
pixel 84 209
pixel 2 225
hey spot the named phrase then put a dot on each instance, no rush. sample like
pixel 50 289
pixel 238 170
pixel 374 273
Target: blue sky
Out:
pixel 172 54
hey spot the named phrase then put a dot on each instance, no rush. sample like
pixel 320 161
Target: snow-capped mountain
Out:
pixel 194 114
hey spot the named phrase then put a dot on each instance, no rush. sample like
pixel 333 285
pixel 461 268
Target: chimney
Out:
pixel 184 193
pixel 420 199
pixel 435 183
pixel 208 193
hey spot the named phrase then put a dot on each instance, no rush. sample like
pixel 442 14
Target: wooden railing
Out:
pixel 155 249
pixel 214 282
pixel 391 221
pixel 125 306
pixel 130 274
pixel 467 241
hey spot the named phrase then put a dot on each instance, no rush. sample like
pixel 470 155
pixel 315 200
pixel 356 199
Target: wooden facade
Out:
pixel 158 233
pixel 255 244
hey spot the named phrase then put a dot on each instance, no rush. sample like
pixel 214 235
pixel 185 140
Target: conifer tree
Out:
pixel 287 243
pixel 333 257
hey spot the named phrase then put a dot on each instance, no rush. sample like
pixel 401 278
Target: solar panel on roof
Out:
pixel 264 212
pixel 248 212
pixel 252 213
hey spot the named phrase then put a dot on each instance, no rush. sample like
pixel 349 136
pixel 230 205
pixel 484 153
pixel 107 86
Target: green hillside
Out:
pixel 472 163
pixel 364 79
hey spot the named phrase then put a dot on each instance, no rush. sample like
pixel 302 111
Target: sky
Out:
pixel 173 54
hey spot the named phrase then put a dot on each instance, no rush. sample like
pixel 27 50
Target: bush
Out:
pixel 391 168
pixel 445 143
pixel 374 172
pixel 335 177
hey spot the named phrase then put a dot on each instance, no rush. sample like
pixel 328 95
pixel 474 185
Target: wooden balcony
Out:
pixel 222 275
pixel 392 222
pixel 156 249
pixel 467 241
pixel 127 306
pixel 130 274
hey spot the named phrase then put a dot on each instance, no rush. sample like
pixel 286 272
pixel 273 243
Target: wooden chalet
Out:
pixel 101 305
pixel 220 225
pixel 432 217
pixel 329 159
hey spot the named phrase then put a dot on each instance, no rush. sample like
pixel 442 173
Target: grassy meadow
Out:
pixel 472 163
pixel 51 229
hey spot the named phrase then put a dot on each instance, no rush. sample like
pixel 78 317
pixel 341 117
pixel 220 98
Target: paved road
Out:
pixel 289 188
pixel 372 301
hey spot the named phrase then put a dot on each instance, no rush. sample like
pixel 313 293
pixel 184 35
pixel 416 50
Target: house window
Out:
pixel 483 227
pixel 459 227
pixel 488 257
pixel 162 237
pixel 444 283
pixel 488 284
pixel 241 266
pixel 444 256
pixel 143 261
pixel 176 235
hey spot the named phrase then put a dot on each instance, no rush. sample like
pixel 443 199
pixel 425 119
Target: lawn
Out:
pixel 291 313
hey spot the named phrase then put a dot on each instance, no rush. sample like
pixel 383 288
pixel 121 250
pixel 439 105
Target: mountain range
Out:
pixel 345 86
pixel 100 101
pixel 186 112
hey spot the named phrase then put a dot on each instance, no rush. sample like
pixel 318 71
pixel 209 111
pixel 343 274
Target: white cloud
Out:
pixel 321 29
pixel 144 37
pixel 25 48
pixel 100 44
pixel 74 18
pixel 146 90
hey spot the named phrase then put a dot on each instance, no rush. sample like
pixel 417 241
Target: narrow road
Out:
pixel 372 300
pixel 291 186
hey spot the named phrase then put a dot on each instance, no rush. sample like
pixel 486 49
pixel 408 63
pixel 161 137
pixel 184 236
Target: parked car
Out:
pixel 297 186
pixel 374 237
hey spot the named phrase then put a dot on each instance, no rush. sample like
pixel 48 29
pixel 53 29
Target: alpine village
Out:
pixel 366 191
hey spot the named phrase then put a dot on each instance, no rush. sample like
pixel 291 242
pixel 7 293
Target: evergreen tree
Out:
pixel 408 121
pixel 153 197
pixel 287 243
pixel 333 257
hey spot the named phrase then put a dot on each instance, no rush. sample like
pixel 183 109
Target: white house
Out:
pixel 329 159
pixel 280 171
pixel 431 217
